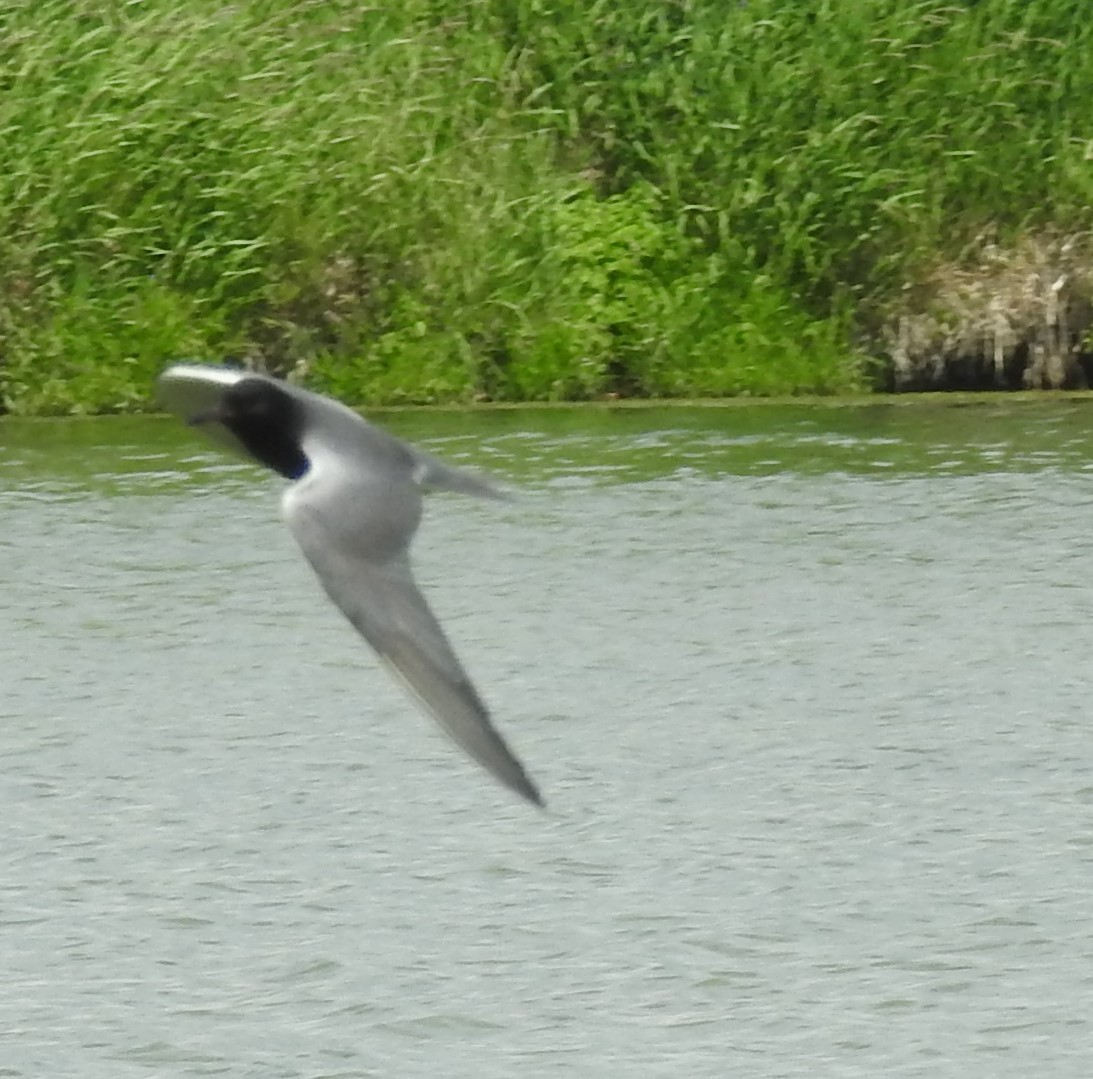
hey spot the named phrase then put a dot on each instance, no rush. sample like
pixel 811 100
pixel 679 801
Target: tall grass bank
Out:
pixel 544 199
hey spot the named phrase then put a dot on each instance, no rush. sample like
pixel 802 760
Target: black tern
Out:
pixel 353 506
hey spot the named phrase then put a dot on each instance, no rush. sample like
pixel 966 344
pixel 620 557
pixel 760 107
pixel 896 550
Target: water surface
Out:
pixel 807 689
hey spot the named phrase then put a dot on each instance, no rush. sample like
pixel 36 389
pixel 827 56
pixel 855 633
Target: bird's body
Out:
pixel 353 507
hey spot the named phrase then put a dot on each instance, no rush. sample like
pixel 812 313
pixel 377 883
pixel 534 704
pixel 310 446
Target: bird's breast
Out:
pixel 358 517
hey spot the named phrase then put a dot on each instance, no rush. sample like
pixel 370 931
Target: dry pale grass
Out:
pixel 1017 316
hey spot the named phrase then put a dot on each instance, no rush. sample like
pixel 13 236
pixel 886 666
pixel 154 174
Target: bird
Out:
pixel 353 504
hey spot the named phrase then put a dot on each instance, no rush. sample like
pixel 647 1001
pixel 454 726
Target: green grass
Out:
pixel 534 200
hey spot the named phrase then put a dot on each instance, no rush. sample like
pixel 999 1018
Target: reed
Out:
pixel 514 199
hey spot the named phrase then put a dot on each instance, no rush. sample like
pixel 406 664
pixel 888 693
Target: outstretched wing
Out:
pixel 384 604
pixel 433 475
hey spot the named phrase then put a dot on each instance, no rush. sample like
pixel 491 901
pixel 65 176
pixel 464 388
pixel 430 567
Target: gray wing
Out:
pixel 433 475
pixel 384 604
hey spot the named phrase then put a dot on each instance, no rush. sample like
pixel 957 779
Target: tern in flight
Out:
pixel 353 505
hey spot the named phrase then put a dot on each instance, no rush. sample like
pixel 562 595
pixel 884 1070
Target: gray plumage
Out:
pixel 353 507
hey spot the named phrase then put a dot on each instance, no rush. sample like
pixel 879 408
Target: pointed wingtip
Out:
pixel 532 793
pixel 512 774
pixel 432 474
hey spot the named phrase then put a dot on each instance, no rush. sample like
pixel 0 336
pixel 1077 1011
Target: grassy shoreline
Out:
pixel 917 399
pixel 443 203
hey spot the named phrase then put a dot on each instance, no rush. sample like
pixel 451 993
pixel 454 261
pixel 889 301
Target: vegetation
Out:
pixel 520 199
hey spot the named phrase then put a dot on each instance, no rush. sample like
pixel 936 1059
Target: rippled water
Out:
pixel 808 690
